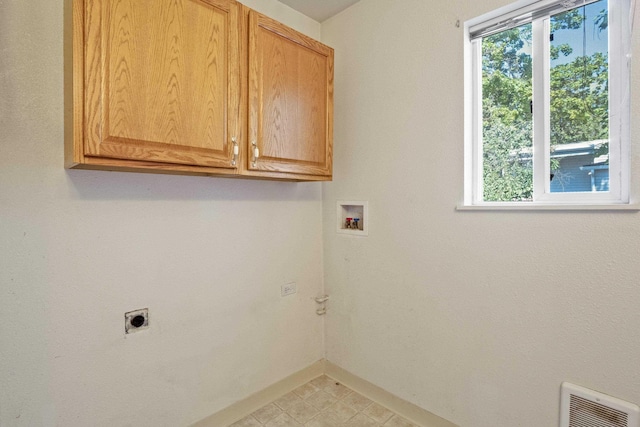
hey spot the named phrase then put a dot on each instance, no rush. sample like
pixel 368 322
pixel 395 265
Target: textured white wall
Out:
pixel 476 316
pixel 78 249
pixel 285 14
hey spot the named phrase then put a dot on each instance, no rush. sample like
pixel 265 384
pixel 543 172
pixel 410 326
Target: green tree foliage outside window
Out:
pixel 579 103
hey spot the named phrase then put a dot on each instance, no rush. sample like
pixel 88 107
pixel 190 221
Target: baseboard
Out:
pixel 408 410
pixel 242 408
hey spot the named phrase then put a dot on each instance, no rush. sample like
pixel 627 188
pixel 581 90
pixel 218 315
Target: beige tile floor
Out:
pixel 323 402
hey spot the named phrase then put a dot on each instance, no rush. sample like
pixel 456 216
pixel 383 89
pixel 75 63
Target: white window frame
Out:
pixel 535 11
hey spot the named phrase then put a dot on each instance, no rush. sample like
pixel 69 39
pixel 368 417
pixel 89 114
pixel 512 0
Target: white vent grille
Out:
pixel 581 407
pixel 585 413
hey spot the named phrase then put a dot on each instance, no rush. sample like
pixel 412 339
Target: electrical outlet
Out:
pixel 288 289
pixel 136 320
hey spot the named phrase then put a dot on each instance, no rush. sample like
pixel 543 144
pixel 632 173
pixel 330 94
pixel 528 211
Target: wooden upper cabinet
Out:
pixel 161 81
pixel 196 87
pixel 290 101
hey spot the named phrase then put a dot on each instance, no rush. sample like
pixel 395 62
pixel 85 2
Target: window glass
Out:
pixel 507 131
pixel 579 99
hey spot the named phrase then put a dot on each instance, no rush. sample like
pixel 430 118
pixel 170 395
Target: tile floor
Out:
pixel 323 402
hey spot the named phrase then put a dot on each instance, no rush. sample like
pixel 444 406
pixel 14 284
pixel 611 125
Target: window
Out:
pixel 547 104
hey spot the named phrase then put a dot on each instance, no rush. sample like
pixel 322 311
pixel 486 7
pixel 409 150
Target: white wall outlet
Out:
pixel 288 289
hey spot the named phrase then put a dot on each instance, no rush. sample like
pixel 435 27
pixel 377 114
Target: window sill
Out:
pixel 525 206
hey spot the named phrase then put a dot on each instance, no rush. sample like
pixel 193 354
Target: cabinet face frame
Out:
pixel 90 97
pixel 292 147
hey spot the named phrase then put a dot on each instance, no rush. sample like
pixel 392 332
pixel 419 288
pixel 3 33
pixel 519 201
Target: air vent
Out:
pixel 581 407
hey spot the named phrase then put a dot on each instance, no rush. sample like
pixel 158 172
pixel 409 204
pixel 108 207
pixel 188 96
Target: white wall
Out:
pixel 475 316
pixel 78 249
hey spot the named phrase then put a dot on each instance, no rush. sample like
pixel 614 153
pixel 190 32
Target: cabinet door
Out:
pixel 290 100
pixel 162 80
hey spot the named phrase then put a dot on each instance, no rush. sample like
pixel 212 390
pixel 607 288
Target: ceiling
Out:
pixel 319 10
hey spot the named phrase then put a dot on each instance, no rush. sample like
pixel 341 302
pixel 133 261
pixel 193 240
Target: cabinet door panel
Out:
pixel 162 80
pixel 290 99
